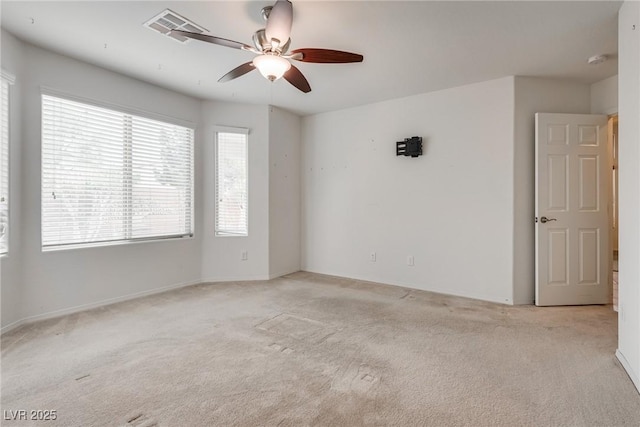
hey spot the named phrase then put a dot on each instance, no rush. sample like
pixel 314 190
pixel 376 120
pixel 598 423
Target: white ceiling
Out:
pixel 408 47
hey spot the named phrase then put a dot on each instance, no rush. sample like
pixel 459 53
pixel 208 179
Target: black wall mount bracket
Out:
pixel 411 147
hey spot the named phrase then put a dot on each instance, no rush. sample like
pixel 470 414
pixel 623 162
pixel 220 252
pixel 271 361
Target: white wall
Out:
pixel 534 95
pixel 604 96
pixel 629 191
pixel 284 192
pixel 61 281
pixel 11 264
pixel 451 209
pixel 221 256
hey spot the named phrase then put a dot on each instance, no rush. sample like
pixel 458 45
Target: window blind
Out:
pixel 109 176
pixel 4 166
pixel 231 213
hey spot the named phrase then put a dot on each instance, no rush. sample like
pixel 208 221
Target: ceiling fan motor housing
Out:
pixel 263 45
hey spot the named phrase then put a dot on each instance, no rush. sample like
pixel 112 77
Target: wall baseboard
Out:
pixel 83 307
pixel 412 285
pixel 236 278
pixel 524 301
pixel 10 327
pixel 627 367
pixel 283 273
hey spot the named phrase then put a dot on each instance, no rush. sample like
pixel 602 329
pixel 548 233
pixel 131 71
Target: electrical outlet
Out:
pixel 372 257
pixel 244 256
pixel 410 261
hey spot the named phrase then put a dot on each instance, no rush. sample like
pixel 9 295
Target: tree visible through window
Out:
pixel 109 176
pixel 231 215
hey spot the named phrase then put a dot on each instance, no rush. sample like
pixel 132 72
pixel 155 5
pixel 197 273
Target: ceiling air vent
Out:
pixel 168 20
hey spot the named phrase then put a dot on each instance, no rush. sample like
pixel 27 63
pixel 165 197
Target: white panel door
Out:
pixel 572 200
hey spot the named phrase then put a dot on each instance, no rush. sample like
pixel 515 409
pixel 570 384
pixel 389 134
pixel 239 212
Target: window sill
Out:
pixel 60 248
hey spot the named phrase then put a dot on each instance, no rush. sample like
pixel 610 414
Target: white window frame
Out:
pixel 6 80
pixel 239 131
pixel 144 115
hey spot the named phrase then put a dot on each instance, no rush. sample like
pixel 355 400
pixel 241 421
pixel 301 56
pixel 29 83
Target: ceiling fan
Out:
pixel 272 46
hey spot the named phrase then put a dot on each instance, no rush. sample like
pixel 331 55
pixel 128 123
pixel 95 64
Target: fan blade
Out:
pixel 326 56
pixel 279 22
pixel 211 39
pixel 237 72
pixel 295 77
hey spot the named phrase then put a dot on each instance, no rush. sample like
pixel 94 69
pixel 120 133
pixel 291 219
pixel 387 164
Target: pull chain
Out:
pixel 271 94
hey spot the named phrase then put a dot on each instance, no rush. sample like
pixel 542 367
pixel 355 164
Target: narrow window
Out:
pixel 112 177
pixel 5 81
pixel 231 186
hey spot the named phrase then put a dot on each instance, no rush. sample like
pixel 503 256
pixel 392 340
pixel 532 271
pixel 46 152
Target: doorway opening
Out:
pixel 612 128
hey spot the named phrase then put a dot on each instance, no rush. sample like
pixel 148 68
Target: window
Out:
pixel 109 176
pixel 231 183
pixel 5 81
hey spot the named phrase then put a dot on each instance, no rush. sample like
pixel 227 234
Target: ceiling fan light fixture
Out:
pixel 272 67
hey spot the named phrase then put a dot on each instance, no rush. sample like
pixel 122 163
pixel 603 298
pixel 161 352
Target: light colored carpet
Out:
pixel 316 350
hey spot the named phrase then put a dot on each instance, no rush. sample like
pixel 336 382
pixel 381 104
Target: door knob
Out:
pixel 544 219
